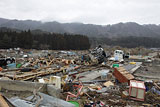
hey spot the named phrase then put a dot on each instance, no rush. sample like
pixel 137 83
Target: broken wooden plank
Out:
pixel 3 103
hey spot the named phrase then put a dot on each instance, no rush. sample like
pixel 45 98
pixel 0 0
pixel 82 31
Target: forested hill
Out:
pixel 12 38
pixel 90 30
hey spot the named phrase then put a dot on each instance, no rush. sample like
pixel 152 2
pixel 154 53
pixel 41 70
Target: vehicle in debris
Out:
pixel 119 55
pixel 7 60
pixel 97 55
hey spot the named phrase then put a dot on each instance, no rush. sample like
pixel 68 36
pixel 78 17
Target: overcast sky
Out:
pixel 86 11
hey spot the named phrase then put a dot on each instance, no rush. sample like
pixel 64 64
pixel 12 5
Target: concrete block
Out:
pixel 55 80
pixel 22 85
pixel 29 86
pixel 53 91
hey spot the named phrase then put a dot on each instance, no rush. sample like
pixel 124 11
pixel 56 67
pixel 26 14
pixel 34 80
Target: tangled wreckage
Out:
pixel 93 78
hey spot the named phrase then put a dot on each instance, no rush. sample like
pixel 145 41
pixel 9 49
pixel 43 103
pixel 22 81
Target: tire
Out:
pixel 8 61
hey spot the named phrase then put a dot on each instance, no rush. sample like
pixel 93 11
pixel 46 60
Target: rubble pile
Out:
pixel 77 79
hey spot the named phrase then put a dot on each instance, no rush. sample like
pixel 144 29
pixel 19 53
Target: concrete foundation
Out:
pixel 29 86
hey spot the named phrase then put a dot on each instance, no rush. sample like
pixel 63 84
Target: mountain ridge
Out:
pixel 90 30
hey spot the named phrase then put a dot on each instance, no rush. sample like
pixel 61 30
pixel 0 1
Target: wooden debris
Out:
pixel 108 83
pixel 3 103
pixel 31 74
pixel 122 75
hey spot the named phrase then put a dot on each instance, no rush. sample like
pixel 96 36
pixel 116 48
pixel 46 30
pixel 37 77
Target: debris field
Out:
pixel 50 78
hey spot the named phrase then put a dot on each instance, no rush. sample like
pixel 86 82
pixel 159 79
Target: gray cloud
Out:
pixel 86 11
